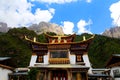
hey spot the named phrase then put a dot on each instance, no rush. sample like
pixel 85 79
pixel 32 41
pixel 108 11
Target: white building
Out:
pixel 4 70
pixel 114 65
pixel 61 58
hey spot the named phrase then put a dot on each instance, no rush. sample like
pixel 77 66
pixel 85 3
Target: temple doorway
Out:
pixel 59 75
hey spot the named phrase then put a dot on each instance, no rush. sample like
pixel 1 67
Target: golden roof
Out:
pixel 79 42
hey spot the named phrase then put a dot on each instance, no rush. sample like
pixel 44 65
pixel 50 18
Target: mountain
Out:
pixel 3 27
pixel 112 32
pixel 101 49
pixel 38 28
pixel 46 27
pixel 12 45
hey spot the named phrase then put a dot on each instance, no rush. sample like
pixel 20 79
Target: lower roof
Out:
pixel 98 75
pixel 59 66
pixel 113 61
pixel 6 67
pixel 18 73
pixel 4 58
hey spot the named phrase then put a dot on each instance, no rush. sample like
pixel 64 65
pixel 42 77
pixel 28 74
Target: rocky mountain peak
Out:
pixel 38 28
pixel 112 32
pixel 3 27
pixel 46 27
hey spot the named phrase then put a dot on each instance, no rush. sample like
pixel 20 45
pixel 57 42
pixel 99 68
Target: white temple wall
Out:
pixel 33 60
pixel 46 57
pixel 87 62
pixel 72 59
pixel 4 73
pixel 115 69
pixel 116 78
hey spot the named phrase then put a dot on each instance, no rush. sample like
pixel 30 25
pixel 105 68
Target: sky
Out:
pixel 74 16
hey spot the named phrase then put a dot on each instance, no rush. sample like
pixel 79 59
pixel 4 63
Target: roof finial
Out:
pixel 34 39
pixel 84 38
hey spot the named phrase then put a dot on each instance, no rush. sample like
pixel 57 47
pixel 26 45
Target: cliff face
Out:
pixel 38 28
pixel 3 27
pixel 112 32
pixel 46 27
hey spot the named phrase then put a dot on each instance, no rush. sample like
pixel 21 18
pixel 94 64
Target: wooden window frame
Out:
pixel 59 50
pixel 79 56
pixel 40 58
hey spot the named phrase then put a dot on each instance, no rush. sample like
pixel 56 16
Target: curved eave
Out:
pixel 34 42
pixel 85 41
pixel 116 63
pixel 7 67
pixel 49 36
pixel 79 42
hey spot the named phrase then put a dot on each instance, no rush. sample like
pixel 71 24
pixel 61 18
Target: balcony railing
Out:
pixel 59 61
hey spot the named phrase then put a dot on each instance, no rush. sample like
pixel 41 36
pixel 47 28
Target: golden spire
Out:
pixel 84 38
pixel 34 39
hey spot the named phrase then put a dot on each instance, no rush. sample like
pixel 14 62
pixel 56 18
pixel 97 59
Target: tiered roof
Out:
pixel 59 39
pixel 60 42
pixel 71 38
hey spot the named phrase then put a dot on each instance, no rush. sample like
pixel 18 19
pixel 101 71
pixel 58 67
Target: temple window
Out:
pixel 56 40
pixel 116 73
pixel 40 59
pixel 50 40
pixel 59 54
pixel 79 58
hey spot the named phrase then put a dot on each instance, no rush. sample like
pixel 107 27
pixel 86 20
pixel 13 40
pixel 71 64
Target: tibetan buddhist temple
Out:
pixel 61 58
pixel 114 65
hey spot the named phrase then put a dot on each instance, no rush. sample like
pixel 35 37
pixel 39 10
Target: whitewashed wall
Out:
pixel 33 60
pixel 72 59
pixel 4 73
pixel 112 74
pixel 87 62
pixel 46 57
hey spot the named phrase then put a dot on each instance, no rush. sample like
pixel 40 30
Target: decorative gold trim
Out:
pixel 47 35
pixel 59 60
pixel 87 40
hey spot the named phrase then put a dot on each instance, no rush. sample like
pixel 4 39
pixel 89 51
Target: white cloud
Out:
pixel 18 13
pixel 115 13
pixel 55 1
pixel 82 26
pixel 88 1
pixel 60 1
pixel 68 27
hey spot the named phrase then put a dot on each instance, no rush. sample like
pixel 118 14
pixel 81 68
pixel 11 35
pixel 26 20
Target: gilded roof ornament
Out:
pixel 84 38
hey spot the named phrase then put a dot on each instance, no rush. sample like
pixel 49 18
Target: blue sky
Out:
pixel 80 16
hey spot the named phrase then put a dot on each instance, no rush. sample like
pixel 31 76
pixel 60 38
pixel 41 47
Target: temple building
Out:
pixel 114 65
pixel 60 58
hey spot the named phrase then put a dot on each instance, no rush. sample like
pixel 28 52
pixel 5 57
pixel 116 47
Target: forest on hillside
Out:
pixel 13 44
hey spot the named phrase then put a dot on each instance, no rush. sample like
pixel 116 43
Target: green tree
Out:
pixel 32 74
